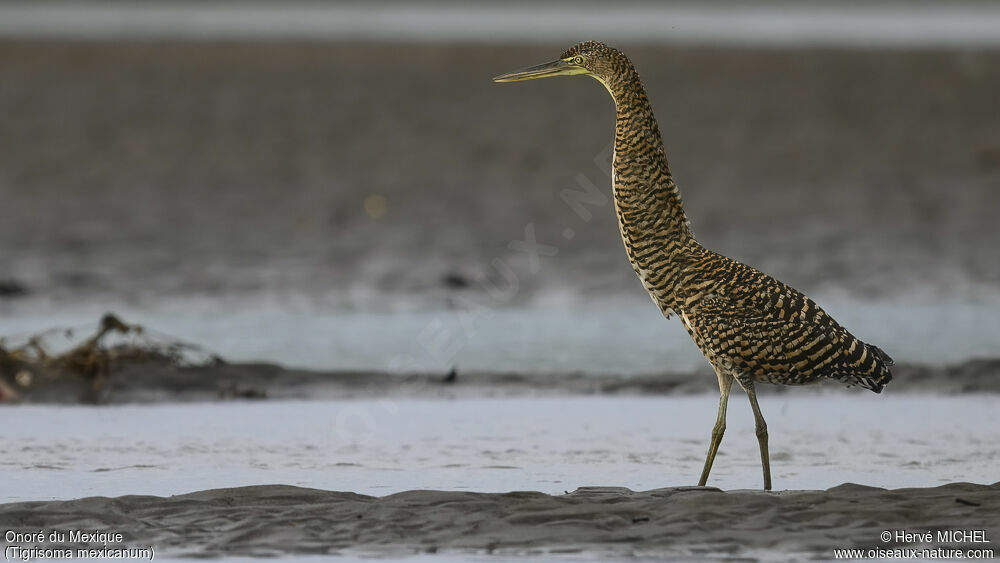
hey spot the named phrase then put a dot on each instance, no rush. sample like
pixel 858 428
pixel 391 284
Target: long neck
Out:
pixel 648 201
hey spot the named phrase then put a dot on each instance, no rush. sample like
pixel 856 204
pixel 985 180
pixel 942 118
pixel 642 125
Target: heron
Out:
pixel 751 327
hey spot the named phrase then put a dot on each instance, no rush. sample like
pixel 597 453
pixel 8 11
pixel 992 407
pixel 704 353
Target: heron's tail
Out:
pixel 878 374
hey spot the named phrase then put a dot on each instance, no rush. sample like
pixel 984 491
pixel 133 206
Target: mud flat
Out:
pixel 606 521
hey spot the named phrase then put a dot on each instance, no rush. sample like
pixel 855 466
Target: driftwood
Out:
pixel 93 360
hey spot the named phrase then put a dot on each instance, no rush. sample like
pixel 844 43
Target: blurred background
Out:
pixel 342 186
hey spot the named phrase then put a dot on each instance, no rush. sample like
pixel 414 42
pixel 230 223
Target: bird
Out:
pixel 750 327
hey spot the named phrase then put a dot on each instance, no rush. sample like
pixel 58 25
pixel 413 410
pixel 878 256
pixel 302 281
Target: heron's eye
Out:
pixel 578 60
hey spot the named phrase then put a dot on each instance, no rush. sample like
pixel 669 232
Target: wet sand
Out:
pixel 683 522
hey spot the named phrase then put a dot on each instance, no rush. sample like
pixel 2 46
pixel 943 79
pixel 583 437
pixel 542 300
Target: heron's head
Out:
pixel 593 58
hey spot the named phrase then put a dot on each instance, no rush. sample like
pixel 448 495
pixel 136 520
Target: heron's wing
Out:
pixel 772 332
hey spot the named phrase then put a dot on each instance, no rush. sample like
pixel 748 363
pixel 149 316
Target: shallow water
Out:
pixel 380 447
pixel 596 339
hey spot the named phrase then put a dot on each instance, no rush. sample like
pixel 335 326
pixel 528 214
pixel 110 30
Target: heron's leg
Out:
pixel 761 428
pixel 725 383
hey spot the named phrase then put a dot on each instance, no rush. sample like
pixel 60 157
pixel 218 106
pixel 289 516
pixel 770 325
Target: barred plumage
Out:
pixel 750 326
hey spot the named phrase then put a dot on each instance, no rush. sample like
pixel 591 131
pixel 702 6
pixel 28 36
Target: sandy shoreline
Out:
pixel 609 521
